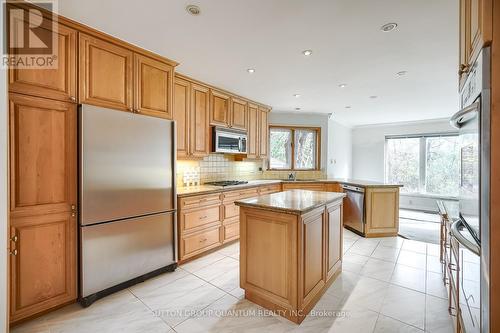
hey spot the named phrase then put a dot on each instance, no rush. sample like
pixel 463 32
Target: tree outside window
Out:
pixel 294 148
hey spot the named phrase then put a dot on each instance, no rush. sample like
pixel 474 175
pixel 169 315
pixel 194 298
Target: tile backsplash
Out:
pixel 225 167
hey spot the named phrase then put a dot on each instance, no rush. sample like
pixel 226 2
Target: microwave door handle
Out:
pixel 239 145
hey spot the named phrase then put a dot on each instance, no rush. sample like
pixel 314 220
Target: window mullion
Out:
pixel 422 166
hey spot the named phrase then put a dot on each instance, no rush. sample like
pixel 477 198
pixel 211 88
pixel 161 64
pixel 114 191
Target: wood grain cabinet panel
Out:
pixel 200 107
pixel 263 136
pixel 313 255
pixel 106 74
pixel 58 83
pixel 153 87
pixel 253 134
pixel 196 219
pixel 43 161
pixel 181 112
pixel 42 155
pixel 219 108
pixel 43 268
pixel 239 116
pixel 231 232
pixel 334 239
pixel 199 242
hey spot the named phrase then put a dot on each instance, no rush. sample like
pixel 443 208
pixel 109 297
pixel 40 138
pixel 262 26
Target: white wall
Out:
pixel 339 150
pixel 336 159
pixel 368 150
pixel 3 190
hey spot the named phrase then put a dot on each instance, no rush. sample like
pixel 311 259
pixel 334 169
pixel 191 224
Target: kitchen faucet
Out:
pixel 292 176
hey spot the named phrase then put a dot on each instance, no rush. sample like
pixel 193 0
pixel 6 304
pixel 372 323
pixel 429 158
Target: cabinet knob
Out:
pixel 14 252
pixel 14 238
pixel 73 98
pixel 130 109
pixel 137 111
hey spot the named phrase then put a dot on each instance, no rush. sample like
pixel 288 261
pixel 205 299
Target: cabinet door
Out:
pixel 263 133
pixel 313 255
pixel 239 114
pixel 219 108
pixel 58 83
pixel 182 93
pixel 334 239
pixel 43 157
pixel 463 41
pixel 43 263
pixel 153 87
pixel 253 139
pixel 200 101
pixel 106 76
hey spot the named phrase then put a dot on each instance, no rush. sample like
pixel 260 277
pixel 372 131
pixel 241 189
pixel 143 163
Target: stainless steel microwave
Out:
pixel 229 141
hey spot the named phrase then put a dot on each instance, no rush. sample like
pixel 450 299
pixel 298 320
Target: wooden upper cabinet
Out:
pixel 253 140
pixel 476 31
pixel 42 155
pixel 153 87
pixel 219 108
pixel 58 83
pixel 200 105
pixel 105 74
pixel 263 132
pixel 239 116
pixel 181 111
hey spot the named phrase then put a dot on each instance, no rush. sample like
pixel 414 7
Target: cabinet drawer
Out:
pixel 242 194
pixel 304 186
pixel 231 210
pixel 231 231
pixel 201 241
pixel 199 201
pixel 269 189
pixel 198 218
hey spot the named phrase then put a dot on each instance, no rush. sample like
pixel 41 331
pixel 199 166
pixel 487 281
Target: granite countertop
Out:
pixel 206 189
pixel 348 181
pixel 292 201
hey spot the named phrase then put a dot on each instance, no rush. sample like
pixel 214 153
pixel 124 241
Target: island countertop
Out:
pixel 292 201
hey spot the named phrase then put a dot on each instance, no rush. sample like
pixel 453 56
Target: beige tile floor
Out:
pixel 387 285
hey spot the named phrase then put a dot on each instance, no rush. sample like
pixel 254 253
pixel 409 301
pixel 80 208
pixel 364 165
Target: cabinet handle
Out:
pixel 203 240
pixel 73 210
pixel 453 267
pixel 463 69
pixel 203 217
pixel 73 98
pixel 14 238
pixel 14 252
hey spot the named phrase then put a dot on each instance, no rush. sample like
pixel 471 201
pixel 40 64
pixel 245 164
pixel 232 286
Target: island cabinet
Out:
pixel 290 249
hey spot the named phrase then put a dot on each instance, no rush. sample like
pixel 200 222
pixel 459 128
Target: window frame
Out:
pixel 422 159
pixel 293 128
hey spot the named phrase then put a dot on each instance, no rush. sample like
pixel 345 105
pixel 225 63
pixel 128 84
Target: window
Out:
pixel 427 164
pixel 294 148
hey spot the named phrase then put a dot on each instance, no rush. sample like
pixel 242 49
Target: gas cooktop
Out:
pixel 227 182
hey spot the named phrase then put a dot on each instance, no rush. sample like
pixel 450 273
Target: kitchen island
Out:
pixel 290 249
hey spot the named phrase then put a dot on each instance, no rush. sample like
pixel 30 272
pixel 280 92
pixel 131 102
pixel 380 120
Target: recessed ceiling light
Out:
pixel 307 52
pixel 401 73
pixel 342 85
pixel 347 106
pixel 296 95
pixel 388 27
pixel 251 70
pixel 297 109
pixel 193 10
pixel 373 97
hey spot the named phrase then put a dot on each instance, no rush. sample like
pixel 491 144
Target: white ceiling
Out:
pixel 230 36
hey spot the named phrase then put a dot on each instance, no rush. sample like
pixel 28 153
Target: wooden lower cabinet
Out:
pixel 311 186
pixel 200 215
pixel 334 236
pixel 381 211
pixel 43 268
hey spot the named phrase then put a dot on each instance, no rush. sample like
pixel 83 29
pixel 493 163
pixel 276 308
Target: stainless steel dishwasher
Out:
pixel 354 208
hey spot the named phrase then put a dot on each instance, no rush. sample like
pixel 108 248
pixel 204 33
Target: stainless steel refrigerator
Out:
pixel 127 198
